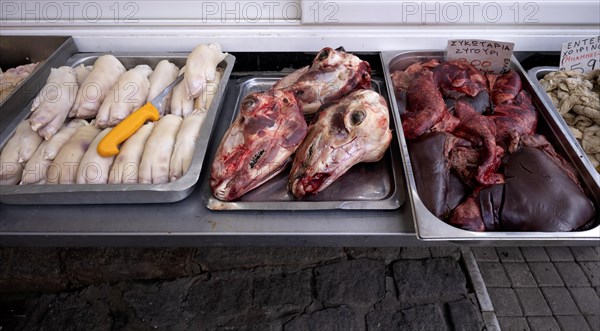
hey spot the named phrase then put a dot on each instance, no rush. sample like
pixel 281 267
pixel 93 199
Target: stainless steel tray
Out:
pixel 120 193
pixel 537 73
pixel 376 185
pixel 428 226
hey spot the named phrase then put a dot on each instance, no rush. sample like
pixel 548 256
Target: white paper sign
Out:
pixel 582 55
pixel 488 56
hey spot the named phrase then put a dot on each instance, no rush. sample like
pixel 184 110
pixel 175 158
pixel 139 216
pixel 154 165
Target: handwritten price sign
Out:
pixel 582 55
pixel 486 55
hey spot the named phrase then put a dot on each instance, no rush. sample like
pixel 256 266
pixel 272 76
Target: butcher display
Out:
pixel 353 130
pixel 52 105
pixel 105 73
pixel 332 75
pixel 477 159
pixel 266 132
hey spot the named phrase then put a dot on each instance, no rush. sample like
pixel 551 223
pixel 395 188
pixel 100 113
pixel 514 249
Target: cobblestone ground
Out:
pixel 543 288
pixel 236 289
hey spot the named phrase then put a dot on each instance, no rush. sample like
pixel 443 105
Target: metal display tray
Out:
pixel 120 193
pixel 429 227
pixel 18 50
pixel 537 73
pixel 377 185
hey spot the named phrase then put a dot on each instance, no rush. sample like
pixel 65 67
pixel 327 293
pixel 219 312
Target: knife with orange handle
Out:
pixel 109 145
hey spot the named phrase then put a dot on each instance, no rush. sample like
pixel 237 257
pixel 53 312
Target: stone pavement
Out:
pixel 543 288
pixel 407 288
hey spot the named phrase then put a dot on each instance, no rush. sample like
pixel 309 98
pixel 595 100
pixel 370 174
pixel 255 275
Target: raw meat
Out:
pixel 439 188
pixel 208 94
pixel 93 168
pixel 181 105
pixel 17 151
pixel 125 168
pixel 353 130
pixel 185 144
pixel 481 131
pixel 63 170
pixel 61 137
pixel 12 78
pixel 36 169
pixel 52 105
pixel 154 166
pixel 105 73
pixel 201 67
pixel 127 95
pixel 425 107
pixel 164 74
pixel 267 131
pixel 332 75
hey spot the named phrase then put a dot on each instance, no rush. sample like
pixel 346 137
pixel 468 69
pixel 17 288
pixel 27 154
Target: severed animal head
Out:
pixel 258 145
pixel 354 130
pixel 333 74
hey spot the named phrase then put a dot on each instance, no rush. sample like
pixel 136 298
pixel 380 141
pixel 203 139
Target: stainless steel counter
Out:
pixel 190 223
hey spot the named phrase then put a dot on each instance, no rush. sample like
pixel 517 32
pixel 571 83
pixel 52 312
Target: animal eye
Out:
pixel 323 55
pixel 299 92
pixel 248 103
pixel 357 117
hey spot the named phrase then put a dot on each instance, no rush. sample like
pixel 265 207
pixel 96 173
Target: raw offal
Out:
pixel 154 167
pixel 17 151
pixel 52 105
pixel 105 73
pixel 201 68
pixel 163 75
pixel 127 95
pixel 63 170
pixel 125 168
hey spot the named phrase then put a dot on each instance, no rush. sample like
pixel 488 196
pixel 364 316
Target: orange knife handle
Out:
pixel 109 145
